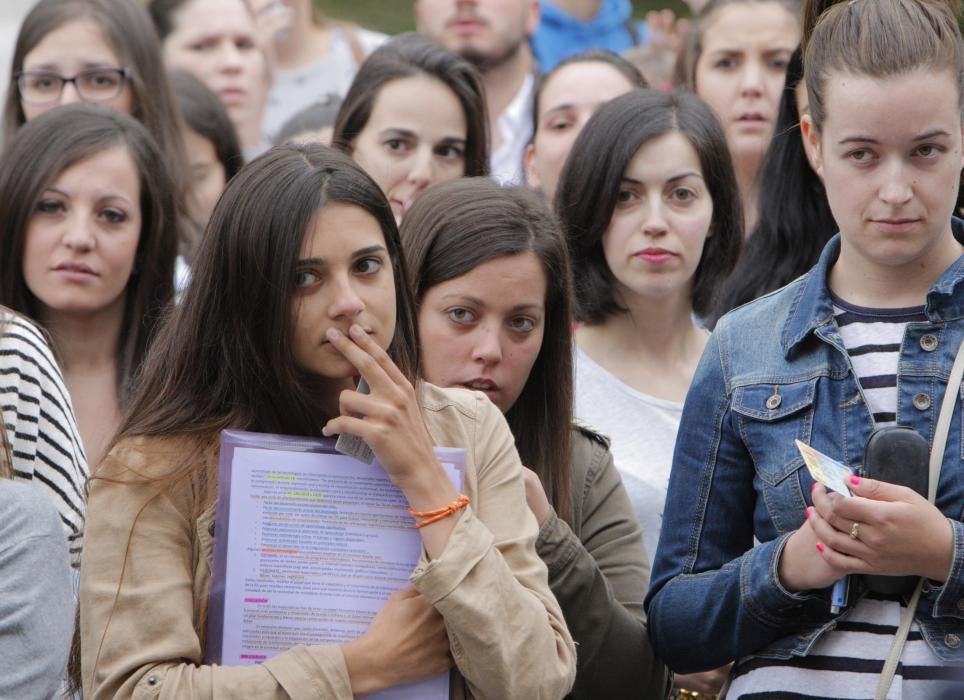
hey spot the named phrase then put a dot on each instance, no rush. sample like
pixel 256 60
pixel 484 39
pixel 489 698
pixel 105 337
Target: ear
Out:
pixel 532 18
pixel 528 163
pixel 811 144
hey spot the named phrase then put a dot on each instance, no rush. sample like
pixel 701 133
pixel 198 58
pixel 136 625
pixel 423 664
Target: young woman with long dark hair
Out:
pixel 493 290
pixel 88 243
pixel 299 289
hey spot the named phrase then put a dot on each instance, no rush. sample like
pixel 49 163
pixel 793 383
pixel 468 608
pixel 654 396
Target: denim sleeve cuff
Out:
pixel 949 597
pixel 761 591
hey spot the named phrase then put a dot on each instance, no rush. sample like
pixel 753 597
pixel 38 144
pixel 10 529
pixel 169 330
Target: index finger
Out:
pixel 368 344
pixel 350 348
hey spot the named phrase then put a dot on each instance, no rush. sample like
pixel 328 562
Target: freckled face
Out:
pixel 344 276
pixel 484 330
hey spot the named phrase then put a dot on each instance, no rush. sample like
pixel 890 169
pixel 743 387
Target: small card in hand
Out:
pixel 829 472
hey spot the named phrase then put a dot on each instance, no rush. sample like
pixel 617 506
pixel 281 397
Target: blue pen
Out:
pixel 838 597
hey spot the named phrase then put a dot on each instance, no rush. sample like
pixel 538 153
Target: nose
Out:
pixel 69 95
pixel 420 174
pixel 230 58
pixel 752 79
pixel 897 187
pixel 346 303
pixel 78 236
pixel 488 347
pixel 654 223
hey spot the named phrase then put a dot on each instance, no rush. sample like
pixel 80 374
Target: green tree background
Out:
pixel 393 16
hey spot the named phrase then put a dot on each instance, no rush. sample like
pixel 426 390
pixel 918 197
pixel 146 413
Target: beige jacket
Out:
pixel 147 564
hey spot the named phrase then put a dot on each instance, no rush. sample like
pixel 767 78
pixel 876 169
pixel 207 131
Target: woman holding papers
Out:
pixel 751 546
pixel 491 275
pixel 300 289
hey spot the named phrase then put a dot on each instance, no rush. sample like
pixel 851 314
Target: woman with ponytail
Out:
pixel 751 546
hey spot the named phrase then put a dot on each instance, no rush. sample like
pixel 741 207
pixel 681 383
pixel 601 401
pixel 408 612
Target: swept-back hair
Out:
pixel 795 221
pixel 457 226
pixel 408 55
pixel 632 74
pixel 590 183
pixel 38 154
pixel 224 357
pixel 684 74
pixel 879 39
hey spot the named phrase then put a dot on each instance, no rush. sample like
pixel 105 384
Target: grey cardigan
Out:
pixel 599 572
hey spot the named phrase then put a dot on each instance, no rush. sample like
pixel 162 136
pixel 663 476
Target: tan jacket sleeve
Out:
pixel 139 613
pixel 600 577
pixel 507 633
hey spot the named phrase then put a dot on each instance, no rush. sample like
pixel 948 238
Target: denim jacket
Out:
pixel 774 371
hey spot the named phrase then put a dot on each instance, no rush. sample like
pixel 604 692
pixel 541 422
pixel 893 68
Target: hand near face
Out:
pixel 900 532
pixel 405 643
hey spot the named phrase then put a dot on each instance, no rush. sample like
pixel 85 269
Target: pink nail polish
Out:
pixel 855 480
pixel 809 511
pixel 813 486
pixel 819 547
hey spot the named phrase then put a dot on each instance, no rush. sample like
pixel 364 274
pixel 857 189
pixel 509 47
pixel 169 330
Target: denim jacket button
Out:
pixel 952 640
pixel 773 403
pixel 922 402
pixel 152 680
pixel 928 343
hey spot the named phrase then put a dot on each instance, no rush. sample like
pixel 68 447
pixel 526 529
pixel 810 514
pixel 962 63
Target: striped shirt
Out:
pixel 845 663
pixel 39 420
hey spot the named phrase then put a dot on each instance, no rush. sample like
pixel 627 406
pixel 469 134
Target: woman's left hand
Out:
pixel 898 532
pixel 389 418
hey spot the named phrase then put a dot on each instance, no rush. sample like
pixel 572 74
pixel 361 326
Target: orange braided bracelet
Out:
pixel 432 516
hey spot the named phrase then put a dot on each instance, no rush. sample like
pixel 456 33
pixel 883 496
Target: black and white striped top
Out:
pixel 846 662
pixel 872 338
pixel 40 424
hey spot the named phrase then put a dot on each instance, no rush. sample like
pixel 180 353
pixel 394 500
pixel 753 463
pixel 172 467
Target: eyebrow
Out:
pixel 860 138
pixel 86 65
pixel 100 198
pixel 478 302
pixel 409 134
pixel 361 252
pixel 681 176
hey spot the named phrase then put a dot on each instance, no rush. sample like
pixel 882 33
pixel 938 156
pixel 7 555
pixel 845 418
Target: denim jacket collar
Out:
pixel 812 306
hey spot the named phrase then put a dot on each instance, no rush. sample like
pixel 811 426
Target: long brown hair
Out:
pixel 878 39
pixel 223 358
pixel 127 28
pixel 459 225
pixel 40 151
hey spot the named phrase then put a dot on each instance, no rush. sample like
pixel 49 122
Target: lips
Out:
pixel 895 225
pixel 751 117
pixel 75 267
pixel 655 255
pixel 481 384
pixel 232 96
pixel 466 24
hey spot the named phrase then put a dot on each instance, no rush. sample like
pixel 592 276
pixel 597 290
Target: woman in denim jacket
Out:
pixel 884 78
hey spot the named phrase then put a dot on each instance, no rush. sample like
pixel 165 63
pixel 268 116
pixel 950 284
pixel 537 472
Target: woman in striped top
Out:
pixel 41 435
pixel 750 546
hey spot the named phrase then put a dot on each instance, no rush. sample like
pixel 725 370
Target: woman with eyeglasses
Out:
pixel 97 51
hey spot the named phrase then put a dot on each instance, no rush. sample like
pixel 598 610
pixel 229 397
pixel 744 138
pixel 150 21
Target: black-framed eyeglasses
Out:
pixel 41 87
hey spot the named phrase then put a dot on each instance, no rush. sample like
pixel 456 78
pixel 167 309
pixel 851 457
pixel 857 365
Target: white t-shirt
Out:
pixel 293 90
pixel 643 431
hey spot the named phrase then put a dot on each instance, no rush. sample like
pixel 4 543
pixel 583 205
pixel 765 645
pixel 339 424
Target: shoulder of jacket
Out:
pixel 586 431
